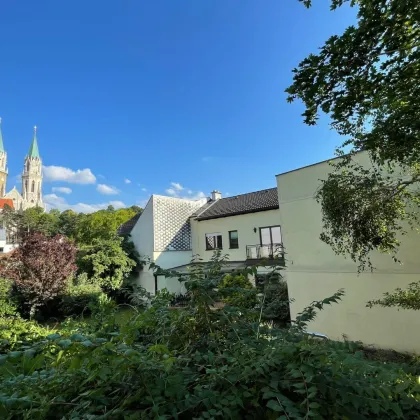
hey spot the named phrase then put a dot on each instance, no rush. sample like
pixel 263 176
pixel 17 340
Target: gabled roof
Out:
pixel 241 204
pixel 127 227
pixel 5 201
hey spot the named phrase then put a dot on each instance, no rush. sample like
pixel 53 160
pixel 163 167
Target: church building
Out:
pixel 31 195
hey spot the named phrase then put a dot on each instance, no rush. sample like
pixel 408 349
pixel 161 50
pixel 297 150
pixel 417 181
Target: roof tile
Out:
pixel 242 204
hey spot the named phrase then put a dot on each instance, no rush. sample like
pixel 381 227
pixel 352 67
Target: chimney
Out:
pixel 216 195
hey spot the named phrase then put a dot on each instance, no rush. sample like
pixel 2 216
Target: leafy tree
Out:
pixel 36 220
pixel 105 262
pixel 101 225
pixel 40 268
pixel 368 82
pixel 68 221
pixel 31 220
pixel 400 298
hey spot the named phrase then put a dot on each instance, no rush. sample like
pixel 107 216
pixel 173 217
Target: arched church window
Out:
pixel 26 187
pixel 33 186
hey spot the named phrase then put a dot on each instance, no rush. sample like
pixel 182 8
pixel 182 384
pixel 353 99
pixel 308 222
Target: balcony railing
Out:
pixel 270 252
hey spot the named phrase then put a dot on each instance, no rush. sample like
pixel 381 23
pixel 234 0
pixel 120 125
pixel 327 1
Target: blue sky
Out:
pixel 185 96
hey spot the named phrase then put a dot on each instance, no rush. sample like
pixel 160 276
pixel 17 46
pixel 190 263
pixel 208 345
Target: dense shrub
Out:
pixel 201 363
pixel 17 333
pixel 237 290
pixel 79 298
pixel 7 307
pixel 276 303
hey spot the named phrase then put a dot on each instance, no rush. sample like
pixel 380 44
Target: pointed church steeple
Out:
pixel 33 151
pixel 32 177
pixel 1 139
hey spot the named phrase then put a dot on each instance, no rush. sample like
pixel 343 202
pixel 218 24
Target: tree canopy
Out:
pixel 83 228
pixel 367 80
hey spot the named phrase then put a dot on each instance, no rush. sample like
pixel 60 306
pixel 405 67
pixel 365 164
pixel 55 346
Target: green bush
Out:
pixel 79 297
pixel 17 333
pixel 237 290
pixel 7 307
pixel 276 303
pixel 200 363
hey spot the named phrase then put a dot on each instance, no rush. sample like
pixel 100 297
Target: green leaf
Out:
pixel 64 343
pixel 274 405
pixel 53 336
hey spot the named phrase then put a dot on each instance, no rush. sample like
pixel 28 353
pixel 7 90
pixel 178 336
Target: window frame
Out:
pixel 271 234
pixel 215 235
pixel 237 239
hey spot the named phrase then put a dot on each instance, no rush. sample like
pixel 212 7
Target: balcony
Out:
pixel 272 253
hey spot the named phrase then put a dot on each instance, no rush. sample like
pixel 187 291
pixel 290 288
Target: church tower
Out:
pixel 32 177
pixel 3 166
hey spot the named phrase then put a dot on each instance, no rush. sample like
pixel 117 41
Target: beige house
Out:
pixel 246 227
pixel 314 272
pixel 170 231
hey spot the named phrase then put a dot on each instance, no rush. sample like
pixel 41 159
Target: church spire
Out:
pixel 33 151
pixel 1 140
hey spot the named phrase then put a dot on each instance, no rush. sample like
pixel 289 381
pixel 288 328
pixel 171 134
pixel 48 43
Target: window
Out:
pixel 270 235
pixel 1 250
pixel 213 241
pixel 233 239
pixel 33 186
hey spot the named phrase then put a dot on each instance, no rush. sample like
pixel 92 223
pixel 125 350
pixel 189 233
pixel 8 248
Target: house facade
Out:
pixel 170 231
pixel 246 227
pixel 314 271
pixel 162 234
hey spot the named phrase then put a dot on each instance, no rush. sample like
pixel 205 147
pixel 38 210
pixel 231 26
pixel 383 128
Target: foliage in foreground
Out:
pixel 200 363
pixel 408 298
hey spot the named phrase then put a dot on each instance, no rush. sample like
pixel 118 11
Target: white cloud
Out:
pixel 177 186
pixel 54 201
pixel 107 190
pixel 63 190
pixel 144 189
pixel 59 173
pixel 197 196
pixel 206 159
pixel 127 181
pixel 187 195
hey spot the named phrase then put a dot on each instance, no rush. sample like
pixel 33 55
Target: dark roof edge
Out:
pixel 319 163
pixel 238 213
